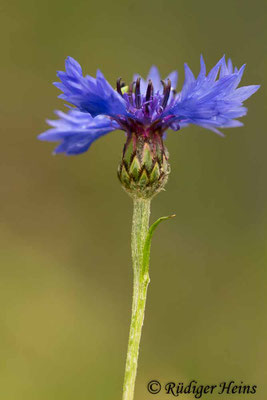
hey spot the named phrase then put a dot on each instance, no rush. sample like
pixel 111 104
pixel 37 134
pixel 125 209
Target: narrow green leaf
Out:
pixel 147 245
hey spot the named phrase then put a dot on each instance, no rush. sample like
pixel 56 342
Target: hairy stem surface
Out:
pixel 140 258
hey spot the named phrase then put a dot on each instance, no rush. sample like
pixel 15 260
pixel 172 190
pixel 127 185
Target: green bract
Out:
pixel 144 167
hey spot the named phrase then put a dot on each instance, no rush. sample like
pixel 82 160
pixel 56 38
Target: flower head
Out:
pixel 145 107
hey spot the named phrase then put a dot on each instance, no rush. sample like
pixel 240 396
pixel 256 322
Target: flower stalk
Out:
pixel 141 242
pixel 140 225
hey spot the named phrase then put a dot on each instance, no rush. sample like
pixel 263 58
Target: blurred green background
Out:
pixel 65 275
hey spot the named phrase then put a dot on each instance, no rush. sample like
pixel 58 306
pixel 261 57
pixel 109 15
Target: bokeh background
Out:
pixel 65 274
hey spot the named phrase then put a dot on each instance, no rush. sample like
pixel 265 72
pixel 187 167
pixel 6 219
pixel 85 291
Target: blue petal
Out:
pixel 93 95
pixel 210 101
pixel 202 67
pixel 214 71
pixel 154 76
pixel 243 93
pixel 230 66
pixel 189 81
pixel 73 67
pixel 77 131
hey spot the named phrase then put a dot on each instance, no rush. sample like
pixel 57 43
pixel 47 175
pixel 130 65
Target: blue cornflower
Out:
pixel 144 107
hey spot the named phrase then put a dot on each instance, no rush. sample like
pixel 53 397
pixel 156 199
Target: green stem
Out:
pixel 141 242
pixel 141 280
